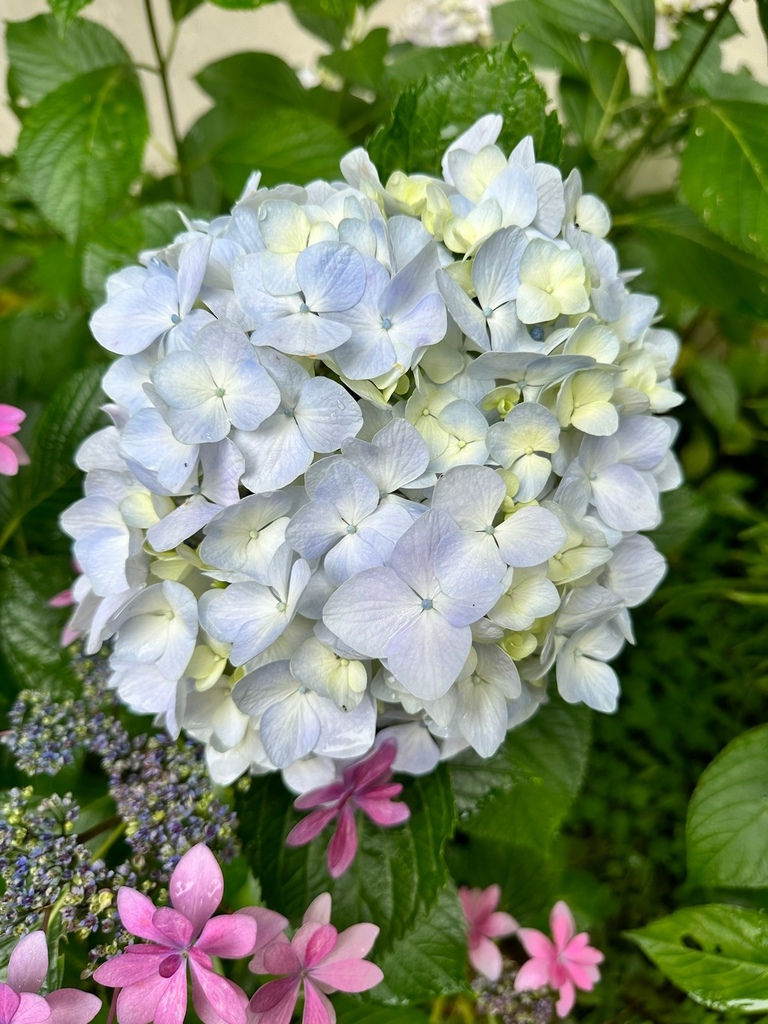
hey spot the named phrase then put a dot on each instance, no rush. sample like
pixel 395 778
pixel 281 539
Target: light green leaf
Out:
pixel 727 827
pixel 683 513
pixel 37 351
pixel 714 390
pixel 521 794
pixel 707 74
pixel 725 172
pixel 251 81
pixel 718 954
pixel 329 19
pixel 398 879
pixel 39 60
pixel 407 63
pixel 66 10
pixel 181 8
pixel 631 20
pixel 81 148
pixel 117 243
pixel 363 63
pixel 428 116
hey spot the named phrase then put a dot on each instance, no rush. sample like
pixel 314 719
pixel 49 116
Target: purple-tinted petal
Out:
pixel 136 912
pixel 323 795
pixel 197 885
pixel 127 968
pixel 228 935
pixel 68 1006
pixel 9 1003
pixel 348 975
pixel 175 928
pixel 172 1005
pixel 317 1006
pixel 280 957
pixel 373 768
pixel 211 992
pixel 269 926
pixel 310 827
pixel 320 944
pixel 342 848
pixel 486 959
pixel 275 996
pixel 32 1009
pixel 28 965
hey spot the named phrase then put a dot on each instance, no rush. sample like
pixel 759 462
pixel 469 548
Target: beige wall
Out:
pixel 211 33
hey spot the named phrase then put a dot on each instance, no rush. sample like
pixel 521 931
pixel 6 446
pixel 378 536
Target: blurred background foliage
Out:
pixel 77 203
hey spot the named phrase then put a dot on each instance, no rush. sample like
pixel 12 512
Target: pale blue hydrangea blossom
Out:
pixel 378 460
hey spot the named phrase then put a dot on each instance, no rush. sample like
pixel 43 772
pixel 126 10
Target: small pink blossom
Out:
pixel 28 969
pixel 484 923
pixel 65 599
pixel 12 455
pixel 324 960
pixel 365 785
pixel 565 964
pixel 152 975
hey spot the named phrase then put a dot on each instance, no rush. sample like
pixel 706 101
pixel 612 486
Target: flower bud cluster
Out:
pixel 500 1001
pixel 379 460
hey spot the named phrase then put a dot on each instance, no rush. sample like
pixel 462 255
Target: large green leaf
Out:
pixel 39 60
pixel 38 351
pixel 727 828
pixel 725 172
pixel 81 148
pixel 329 19
pixel 631 20
pixel 363 63
pixel 250 81
pixel 66 10
pixel 29 627
pixel 398 879
pixel 718 954
pixel 428 116
pixel 521 794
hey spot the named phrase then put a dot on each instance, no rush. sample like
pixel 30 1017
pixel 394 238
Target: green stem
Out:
pixel 162 67
pixel 108 842
pixel 677 87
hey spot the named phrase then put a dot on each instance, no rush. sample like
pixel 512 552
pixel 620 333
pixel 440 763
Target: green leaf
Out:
pixel 591 105
pixel 252 81
pixel 725 172
pixel 283 143
pixel 718 954
pixel 543 43
pixel 762 11
pixel 37 351
pixel 408 63
pixel 690 33
pixel 181 8
pixel 353 1011
pixel 727 827
pixel 363 63
pixel 683 515
pixel 398 879
pixel 631 20
pixel 81 148
pixel 29 628
pixel 428 116
pixel 118 243
pixel 522 793
pixel 242 5
pixel 714 390
pixel 329 19
pixel 680 256
pixel 39 60
pixel 66 10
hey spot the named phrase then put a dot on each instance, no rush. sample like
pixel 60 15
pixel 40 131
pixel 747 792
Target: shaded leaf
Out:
pixel 727 827
pixel 407 63
pixel 428 116
pixel 181 8
pixel 353 1011
pixel 252 81
pixel 631 20
pixel 328 19
pixel 363 63
pixel 37 351
pixel 81 147
pixel 718 954
pixel 714 390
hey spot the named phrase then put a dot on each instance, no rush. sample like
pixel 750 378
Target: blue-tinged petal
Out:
pixel 193 262
pixel 275 454
pixel 252 296
pixel 147 442
pixel 195 513
pixel 326 414
pixel 315 528
pixel 516 194
pixel 134 318
pixel 351 491
pixel 409 285
pixel 302 334
pixel 396 456
pixel 290 729
pixel 223 465
pixel 427 655
pixel 529 537
pixel 494 268
pixel 423 325
pixel 331 276
pixel 350 555
pixel 414 554
pixel 344 733
pixel 463 310
pixel 369 609
pixel 471 495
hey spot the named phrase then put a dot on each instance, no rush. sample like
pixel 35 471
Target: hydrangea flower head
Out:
pixel 365 785
pixel 152 975
pixel 565 962
pixel 485 923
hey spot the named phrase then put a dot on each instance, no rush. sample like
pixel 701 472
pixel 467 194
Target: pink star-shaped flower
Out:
pixel 152 976
pixel 320 958
pixel 366 785
pixel 485 923
pixel 565 964
pixel 28 969
pixel 12 455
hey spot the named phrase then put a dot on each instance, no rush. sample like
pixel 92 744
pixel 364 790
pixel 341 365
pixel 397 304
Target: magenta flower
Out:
pixel 565 964
pixel 22 1008
pixel 484 923
pixel 365 785
pixel 12 455
pixel 152 976
pixel 27 970
pixel 320 958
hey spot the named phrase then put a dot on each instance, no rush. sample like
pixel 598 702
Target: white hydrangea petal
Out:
pixel 515 193
pixel 427 655
pixel 635 570
pixel 193 262
pixel 344 733
pixel 289 729
pixel 326 414
pixel 624 498
pixel 331 276
pixel 369 609
pixel 195 513
pixel 529 537
pixel 471 495
pixel 275 454
pixel 396 455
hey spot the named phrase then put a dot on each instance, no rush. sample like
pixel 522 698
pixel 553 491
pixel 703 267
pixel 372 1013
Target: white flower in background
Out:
pixel 445 23
pixel 669 14
pixel 378 453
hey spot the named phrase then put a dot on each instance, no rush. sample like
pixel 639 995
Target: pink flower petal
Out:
pixel 11 416
pixel 172 1005
pixel 382 812
pixel 317 1006
pixel 486 959
pixel 175 928
pixel 535 943
pixel 319 945
pixel 28 965
pixel 275 998
pixel 342 848
pixel 197 885
pixel 280 957
pixel 127 968
pixel 9 461
pixel 32 1009
pixel 564 1004
pixel 578 952
pixel 10 1002
pixel 353 943
pixel 212 992
pixel 348 975
pixel 373 768
pixel 582 977
pixel 322 795
pixel 68 1006
pixel 319 910
pixel 562 925
pixel 63 599
pixel 533 974
pixel 310 827
pixel 228 935
pixel 499 924
pixel 137 1003
pixel 136 912
pixel 269 926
